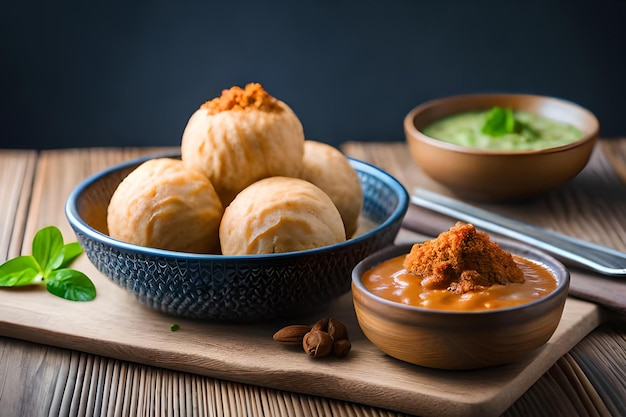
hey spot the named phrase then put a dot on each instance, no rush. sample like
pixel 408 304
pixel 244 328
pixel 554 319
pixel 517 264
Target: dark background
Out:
pixel 131 73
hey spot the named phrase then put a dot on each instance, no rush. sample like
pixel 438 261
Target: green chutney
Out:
pixel 535 132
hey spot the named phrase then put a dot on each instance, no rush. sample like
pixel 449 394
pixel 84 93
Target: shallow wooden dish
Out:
pixel 459 340
pixel 488 175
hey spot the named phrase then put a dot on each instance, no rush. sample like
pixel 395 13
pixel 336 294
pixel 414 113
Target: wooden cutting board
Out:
pixel 115 325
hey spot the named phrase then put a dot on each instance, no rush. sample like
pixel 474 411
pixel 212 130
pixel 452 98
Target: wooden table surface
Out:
pixel 40 379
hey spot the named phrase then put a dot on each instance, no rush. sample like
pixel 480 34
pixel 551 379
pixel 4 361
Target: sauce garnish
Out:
pixel 535 132
pixel 391 281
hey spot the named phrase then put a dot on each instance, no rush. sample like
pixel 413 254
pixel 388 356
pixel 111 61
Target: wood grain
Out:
pixel 58 172
pixel 61 382
pixel 615 153
pixel 66 382
pixel 17 169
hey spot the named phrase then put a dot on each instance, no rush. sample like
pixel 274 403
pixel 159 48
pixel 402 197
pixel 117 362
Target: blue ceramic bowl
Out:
pixel 233 288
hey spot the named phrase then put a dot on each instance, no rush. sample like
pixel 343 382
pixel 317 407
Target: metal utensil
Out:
pixel 572 251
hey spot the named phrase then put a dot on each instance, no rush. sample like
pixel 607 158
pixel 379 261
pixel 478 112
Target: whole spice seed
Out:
pixel 325 336
pixel 292 335
pixel 321 324
pixel 337 329
pixel 341 347
pixel 317 343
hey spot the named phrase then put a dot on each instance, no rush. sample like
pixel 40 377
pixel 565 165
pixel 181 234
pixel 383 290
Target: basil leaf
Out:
pixel 48 248
pixel 20 271
pixel 71 251
pixel 71 285
pixel 48 263
pixel 498 122
pixel 527 131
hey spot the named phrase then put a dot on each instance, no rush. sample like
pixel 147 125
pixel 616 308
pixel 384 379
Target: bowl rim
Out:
pixel 413 133
pixel 77 222
pixel 557 268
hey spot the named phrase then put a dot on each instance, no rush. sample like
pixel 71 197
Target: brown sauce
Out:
pixel 391 281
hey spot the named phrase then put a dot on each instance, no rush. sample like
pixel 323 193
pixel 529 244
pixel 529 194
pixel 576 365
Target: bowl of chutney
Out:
pixel 439 325
pixel 500 147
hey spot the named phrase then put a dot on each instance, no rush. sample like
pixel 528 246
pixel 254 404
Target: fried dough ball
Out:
pixel 280 214
pixel 243 136
pixel 329 169
pixel 165 205
pixel 461 260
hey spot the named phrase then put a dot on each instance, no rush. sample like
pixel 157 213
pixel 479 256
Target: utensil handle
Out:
pixel 576 252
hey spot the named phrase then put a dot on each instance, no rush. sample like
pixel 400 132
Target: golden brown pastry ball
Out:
pixel 280 214
pixel 242 136
pixel 329 169
pixel 164 204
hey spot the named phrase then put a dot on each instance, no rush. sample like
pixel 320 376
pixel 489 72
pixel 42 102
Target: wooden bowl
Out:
pixel 459 340
pixel 491 175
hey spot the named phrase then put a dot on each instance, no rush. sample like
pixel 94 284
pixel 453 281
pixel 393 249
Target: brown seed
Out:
pixel 321 324
pixel 317 343
pixel 292 335
pixel 341 347
pixel 337 330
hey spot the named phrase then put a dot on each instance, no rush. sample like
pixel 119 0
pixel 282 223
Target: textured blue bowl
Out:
pixel 233 288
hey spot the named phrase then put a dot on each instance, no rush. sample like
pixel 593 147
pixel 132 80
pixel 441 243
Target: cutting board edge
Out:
pixel 320 385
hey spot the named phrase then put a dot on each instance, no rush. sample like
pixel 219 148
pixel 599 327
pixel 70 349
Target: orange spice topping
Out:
pixel 462 259
pixel 253 96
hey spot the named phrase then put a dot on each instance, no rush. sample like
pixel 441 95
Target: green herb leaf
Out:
pixel 174 327
pixel 49 263
pixel 498 122
pixel 48 249
pixel 20 271
pixel 70 284
pixel 71 251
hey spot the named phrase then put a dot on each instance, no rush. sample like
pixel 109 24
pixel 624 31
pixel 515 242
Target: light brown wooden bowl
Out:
pixel 459 340
pixel 488 175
